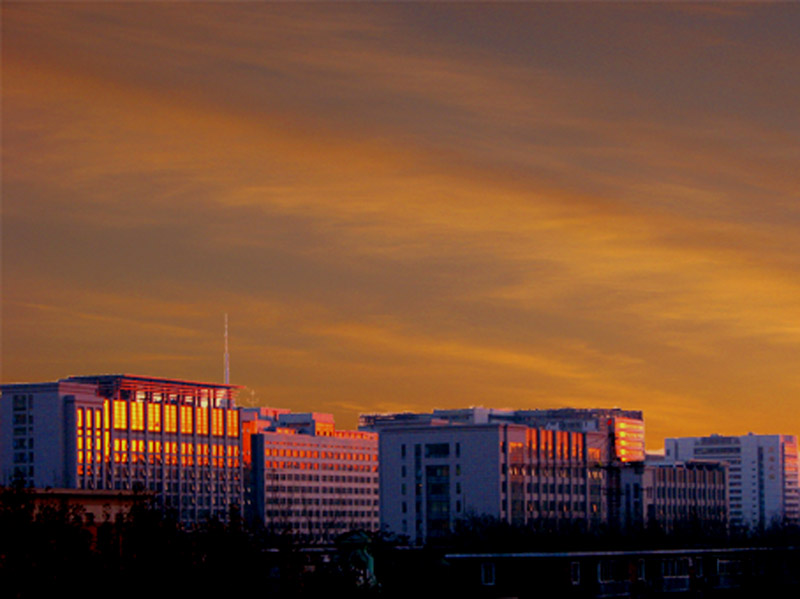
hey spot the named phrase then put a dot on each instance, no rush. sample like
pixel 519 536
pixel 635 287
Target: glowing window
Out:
pixel 170 419
pixel 202 421
pixel 216 422
pixel 120 415
pixel 186 420
pixel 233 423
pixel 154 417
pixel 137 416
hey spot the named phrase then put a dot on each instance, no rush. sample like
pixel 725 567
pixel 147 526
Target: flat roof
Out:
pixel 106 378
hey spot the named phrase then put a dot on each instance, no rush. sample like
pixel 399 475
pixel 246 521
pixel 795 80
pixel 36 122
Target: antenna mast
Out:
pixel 227 356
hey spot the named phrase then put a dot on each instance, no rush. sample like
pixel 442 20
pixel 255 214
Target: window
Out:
pixel 487 574
pixel 575 573
pixel 137 416
pixel 120 415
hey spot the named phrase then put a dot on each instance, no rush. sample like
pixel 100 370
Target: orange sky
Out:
pixel 408 206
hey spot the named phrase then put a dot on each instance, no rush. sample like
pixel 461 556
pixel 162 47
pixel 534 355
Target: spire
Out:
pixel 227 356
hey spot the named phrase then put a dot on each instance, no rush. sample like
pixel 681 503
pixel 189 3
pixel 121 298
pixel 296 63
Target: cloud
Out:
pixel 396 213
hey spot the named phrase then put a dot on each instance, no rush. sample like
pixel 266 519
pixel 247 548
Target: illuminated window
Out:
pixel 233 423
pixel 202 421
pixel 154 417
pixel 120 415
pixel 216 422
pixel 137 416
pixel 186 420
pixel 170 419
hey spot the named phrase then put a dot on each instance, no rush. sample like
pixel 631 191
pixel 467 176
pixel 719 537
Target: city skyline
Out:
pixel 403 207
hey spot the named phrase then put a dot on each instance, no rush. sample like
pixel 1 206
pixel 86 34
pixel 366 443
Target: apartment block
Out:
pixel 306 477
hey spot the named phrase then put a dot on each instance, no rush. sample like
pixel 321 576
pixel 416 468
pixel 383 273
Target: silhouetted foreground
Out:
pixel 51 549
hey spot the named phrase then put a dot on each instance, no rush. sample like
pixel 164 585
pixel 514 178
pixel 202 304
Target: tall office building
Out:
pixel 180 440
pixel 763 474
pixel 440 467
pixel 306 477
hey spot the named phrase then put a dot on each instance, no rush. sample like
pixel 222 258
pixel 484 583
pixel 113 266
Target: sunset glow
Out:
pixel 409 206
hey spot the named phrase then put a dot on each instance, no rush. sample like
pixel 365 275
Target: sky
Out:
pixel 411 206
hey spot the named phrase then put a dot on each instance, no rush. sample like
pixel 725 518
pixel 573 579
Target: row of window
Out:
pixel 322 490
pixel 325 478
pixel 274 464
pixel 22 420
pixel 164 418
pixel 306 514
pixel 316 454
pixel 317 501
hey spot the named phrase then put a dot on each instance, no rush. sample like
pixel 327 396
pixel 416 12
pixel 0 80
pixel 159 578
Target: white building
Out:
pixel 623 429
pixel 438 468
pixel 763 474
pixel 307 478
pixel 674 496
pixel 179 439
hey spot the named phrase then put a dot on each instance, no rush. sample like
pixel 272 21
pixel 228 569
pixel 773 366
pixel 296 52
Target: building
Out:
pixel 179 439
pixel 623 429
pixel 763 474
pixel 94 507
pixel 306 477
pixel 678 496
pixel 440 467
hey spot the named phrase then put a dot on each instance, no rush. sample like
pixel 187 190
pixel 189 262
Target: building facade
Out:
pixel 441 467
pixel 306 477
pixel 680 496
pixel 179 439
pixel 624 428
pixel 763 474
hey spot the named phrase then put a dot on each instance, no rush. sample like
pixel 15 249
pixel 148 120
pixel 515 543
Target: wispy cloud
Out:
pixel 532 205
